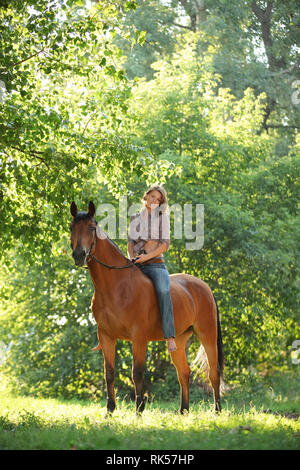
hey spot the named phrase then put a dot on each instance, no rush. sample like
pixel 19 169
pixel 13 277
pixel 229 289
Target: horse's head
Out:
pixel 82 232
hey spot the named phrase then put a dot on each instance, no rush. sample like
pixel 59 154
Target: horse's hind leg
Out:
pixel 108 348
pixel 139 354
pixel 214 376
pixel 211 349
pixel 183 371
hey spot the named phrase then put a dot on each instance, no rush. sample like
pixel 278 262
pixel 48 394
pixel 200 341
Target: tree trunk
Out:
pixel 200 12
pixel 196 10
pixel 264 17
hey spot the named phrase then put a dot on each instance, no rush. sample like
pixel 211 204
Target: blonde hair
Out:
pixel 163 206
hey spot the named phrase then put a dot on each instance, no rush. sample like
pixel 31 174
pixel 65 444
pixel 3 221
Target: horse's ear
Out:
pixel 73 209
pixel 92 209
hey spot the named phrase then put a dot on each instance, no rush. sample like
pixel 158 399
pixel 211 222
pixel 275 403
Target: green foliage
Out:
pixel 256 47
pixel 151 22
pixel 63 116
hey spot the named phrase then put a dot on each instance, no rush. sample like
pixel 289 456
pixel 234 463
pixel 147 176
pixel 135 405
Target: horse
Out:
pixel 125 306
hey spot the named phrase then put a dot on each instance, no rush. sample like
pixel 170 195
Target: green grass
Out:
pixel 35 423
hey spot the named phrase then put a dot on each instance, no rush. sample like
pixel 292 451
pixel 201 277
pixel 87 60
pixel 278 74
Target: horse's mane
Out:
pixel 115 245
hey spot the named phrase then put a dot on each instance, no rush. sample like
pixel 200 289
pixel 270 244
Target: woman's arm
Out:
pixel 154 253
pixel 130 250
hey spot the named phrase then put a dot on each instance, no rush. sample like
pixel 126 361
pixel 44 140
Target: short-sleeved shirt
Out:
pixel 146 226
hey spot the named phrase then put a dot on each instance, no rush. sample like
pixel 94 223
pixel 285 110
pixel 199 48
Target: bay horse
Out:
pixel 125 307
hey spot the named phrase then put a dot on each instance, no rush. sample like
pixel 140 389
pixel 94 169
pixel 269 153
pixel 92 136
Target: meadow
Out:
pixel 261 416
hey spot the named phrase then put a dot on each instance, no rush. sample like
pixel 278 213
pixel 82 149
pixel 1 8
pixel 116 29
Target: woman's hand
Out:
pixel 142 258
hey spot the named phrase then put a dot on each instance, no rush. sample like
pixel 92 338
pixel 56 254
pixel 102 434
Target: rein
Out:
pixel 90 255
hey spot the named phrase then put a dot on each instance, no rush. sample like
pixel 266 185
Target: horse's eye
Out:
pixel 71 227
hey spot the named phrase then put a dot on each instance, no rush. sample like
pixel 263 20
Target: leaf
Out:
pixel 142 37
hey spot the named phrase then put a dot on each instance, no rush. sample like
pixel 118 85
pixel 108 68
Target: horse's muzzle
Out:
pixel 79 256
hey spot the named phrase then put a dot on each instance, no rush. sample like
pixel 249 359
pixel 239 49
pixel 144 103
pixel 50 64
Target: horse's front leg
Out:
pixel 139 354
pixel 108 349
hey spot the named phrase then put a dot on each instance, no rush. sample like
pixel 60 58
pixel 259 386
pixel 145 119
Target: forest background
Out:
pixel 101 99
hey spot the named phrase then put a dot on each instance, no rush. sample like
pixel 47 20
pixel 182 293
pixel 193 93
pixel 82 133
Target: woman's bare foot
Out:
pixel 97 348
pixel 171 345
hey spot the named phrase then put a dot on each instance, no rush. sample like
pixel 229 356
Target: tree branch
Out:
pixel 28 58
pixel 182 26
pixel 282 126
pixel 34 153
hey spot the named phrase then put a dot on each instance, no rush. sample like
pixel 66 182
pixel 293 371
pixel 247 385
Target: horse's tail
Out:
pixel 201 362
pixel 219 343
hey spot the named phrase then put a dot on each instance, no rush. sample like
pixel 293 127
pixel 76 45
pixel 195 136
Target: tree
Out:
pixel 255 46
pixel 63 116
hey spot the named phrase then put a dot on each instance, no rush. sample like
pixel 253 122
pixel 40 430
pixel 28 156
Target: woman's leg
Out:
pixel 161 280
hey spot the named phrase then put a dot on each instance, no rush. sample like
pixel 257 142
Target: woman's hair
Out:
pixel 163 207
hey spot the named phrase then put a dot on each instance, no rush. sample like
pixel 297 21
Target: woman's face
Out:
pixel 153 199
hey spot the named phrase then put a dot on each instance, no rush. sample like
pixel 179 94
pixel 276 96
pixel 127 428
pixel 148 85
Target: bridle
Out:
pixel 90 255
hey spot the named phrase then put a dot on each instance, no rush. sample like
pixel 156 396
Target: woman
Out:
pixel 149 237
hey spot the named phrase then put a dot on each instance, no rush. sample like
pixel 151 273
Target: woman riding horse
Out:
pixel 149 238
pixel 126 305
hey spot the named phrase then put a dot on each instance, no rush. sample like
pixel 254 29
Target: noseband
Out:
pixel 90 255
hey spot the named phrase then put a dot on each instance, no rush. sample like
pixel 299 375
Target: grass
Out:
pixel 259 417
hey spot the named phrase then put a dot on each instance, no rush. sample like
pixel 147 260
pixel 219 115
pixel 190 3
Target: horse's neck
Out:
pixel 104 278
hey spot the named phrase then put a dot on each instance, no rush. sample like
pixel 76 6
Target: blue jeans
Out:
pixel 159 275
